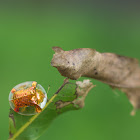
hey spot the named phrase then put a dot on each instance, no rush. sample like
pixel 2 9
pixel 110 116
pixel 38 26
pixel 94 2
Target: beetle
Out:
pixel 25 97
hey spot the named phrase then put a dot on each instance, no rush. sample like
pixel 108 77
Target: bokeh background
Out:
pixel 28 30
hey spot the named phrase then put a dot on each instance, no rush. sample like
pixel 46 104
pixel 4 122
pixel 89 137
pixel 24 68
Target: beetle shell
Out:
pixel 28 98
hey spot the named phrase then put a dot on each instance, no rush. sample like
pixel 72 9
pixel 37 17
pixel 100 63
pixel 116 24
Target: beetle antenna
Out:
pixel 48 89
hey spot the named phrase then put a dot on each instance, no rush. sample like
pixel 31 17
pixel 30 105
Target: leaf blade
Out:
pixel 29 128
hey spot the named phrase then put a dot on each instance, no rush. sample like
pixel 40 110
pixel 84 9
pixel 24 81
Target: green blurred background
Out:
pixel 29 29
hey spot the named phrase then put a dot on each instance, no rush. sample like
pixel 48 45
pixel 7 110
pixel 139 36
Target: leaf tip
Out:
pixel 57 49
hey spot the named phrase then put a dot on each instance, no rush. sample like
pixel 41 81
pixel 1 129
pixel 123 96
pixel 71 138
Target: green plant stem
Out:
pixel 31 120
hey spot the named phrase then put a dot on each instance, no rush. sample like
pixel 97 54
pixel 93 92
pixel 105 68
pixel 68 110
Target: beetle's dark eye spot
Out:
pixel 96 73
pixel 73 64
pixel 68 62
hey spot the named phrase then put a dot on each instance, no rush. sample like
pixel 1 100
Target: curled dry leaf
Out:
pixel 117 71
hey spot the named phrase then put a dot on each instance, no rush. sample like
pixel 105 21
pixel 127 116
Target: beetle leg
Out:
pixel 34 103
pixel 13 90
pixel 33 100
pixel 34 84
pixel 23 109
pixel 38 109
pixel 16 109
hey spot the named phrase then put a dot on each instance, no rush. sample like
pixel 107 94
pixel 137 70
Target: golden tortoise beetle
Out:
pixel 28 98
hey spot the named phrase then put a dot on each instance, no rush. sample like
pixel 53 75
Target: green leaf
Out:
pixel 69 97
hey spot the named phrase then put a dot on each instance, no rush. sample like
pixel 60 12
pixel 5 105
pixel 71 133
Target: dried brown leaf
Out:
pixel 117 71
